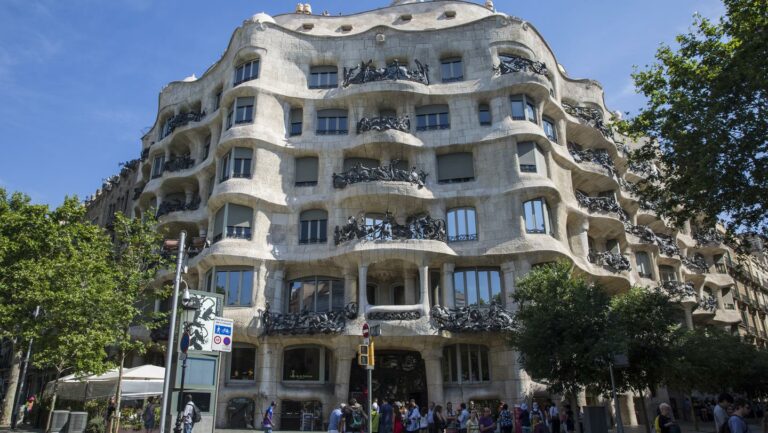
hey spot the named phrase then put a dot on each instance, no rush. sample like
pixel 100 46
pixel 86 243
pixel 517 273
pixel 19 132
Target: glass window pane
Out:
pixel 308 296
pixel 471 223
pixel 485 372
pixel 221 282
pixel 465 363
pixel 337 295
pixel 233 288
pixel 471 287
pixel 323 230
pixel 474 372
pixel 484 288
pixel 294 297
pixel 452 216
pixel 518 112
pixel 454 364
pixel 459 290
pixel 461 223
pixel 246 288
pixel 243 364
pixel 323 296
pixel 530 112
pixel 495 286
pixel 301 364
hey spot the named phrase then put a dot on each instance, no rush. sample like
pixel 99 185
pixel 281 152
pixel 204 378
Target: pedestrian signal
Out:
pixel 362 355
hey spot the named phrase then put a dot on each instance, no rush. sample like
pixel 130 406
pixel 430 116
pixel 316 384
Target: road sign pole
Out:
pixel 170 350
pixel 370 397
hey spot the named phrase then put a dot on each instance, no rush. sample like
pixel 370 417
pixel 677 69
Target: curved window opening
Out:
pixel 451 69
pixel 466 363
pixel 462 224
pixel 246 72
pixel 432 117
pixel 531 158
pixel 332 122
pixel 476 286
pixel 242 362
pixel 232 221
pixel 455 167
pixel 549 128
pixel 313 227
pixel 523 108
pixel 323 77
pixel 306 364
pixel 643 261
pixel 315 294
pixel 537 216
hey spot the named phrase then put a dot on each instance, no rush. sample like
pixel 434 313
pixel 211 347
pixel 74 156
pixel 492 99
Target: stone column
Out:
pixel 627 406
pixel 434 367
pixel 448 300
pixel 719 296
pixel 583 235
pixel 688 316
pixel 508 275
pixel 188 195
pixel 203 187
pixel 269 372
pixel 424 289
pixel 260 285
pixel 278 275
pixel 362 284
pixel 344 357
pixel 349 286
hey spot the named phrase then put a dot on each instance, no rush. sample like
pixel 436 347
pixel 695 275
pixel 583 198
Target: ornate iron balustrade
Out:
pixel 383 123
pixel 677 289
pixel 509 64
pixel 307 322
pixel 178 163
pixel 597 156
pixel 416 227
pixel 708 303
pixel 645 168
pixel 603 204
pixel 591 116
pixel 708 237
pixel 385 173
pixel 462 238
pixel 138 190
pixel 473 318
pixel 616 262
pixel 696 264
pixel 144 154
pixel 367 72
pixel 167 207
pixel 182 119
pixel 667 244
pixel 394 315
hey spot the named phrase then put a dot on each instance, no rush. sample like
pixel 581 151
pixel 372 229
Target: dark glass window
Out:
pixel 243 363
pixel 306 171
pixel 549 128
pixel 462 224
pixel 455 167
pixel 307 364
pixel 296 118
pixel 236 163
pixel 432 117
pixel 476 286
pixel 315 294
pixel 332 122
pixel 523 108
pixel 537 216
pixel 643 261
pixel 313 227
pixel 484 114
pixel 236 285
pixel 465 363
pixel 530 157
pixel 452 69
pixel 323 77
pixel 247 71
pixel 238 221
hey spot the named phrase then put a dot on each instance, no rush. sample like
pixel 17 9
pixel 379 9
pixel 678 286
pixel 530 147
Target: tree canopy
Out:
pixel 707 121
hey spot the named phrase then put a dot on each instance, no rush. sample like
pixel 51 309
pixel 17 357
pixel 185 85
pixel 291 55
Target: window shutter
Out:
pixel 297 115
pixel 314 214
pixel 455 166
pixel 526 153
pixel 243 152
pixel 306 169
pixel 239 216
pixel 245 102
pixel 432 109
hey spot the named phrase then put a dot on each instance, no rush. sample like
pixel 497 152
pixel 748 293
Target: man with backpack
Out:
pixel 355 419
pixel 720 412
pixel 191 415
pixel 736 423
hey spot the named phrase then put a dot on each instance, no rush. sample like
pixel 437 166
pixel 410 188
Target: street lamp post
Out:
pixel 172 330
pixel 188 303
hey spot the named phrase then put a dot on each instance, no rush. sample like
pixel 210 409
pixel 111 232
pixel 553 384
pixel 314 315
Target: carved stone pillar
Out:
pixel 508 275
pixel 269 354
pixel 362 283
pixel 188 195
pixel 719 296
pixel 344 357
pixel 433 363
pixel 278 275
pixel 260 285
pixel 349 286
pixel 424 289
pixel 204 187
pixel 448 300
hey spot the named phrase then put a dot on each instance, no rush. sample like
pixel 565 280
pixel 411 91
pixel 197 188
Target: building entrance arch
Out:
pixel 400 375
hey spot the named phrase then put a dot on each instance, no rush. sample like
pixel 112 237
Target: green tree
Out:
pixel 136 260
pixel 647 323
pixel 707 120
pixel 563 330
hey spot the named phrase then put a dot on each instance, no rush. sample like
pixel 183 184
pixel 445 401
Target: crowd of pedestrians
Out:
pixel 407 417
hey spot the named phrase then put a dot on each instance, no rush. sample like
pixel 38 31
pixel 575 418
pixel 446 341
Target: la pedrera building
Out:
pixel 403 167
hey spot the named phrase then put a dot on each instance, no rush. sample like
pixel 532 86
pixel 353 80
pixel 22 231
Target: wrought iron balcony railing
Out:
pixel 597 156
pixel 667 244
pixel 367 72
pixel 473 318
pixel 709 237
pixel 509 64
pixel 167 207
pixel 181 119
pixel 590 116
pixel 616 262
pixel 402 123
pixel 602 204
pixel 384 173
pixel 462 238
pixel 677 289
pixel 696 264
pixel 708 303
pixel 178 163
pixel 307 322
pixel 416 227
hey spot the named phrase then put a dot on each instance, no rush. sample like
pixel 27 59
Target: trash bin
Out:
pixel 77 422
pixel 595 420
pixel 59 420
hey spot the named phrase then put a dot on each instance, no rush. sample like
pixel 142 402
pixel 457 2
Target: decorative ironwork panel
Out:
pixel 708 303
pixel 182 119
pixel 597 156
pixel 696 264
pixel 708 237
pixel 416 227
pixel 676 289
pixel 384 173
pixel 591 116
pixel 167 207
pixel 394 315
pixel 307 322
pixel 367 72
pixel 402 123
pixel 509 64
pixel 614 261
pixel 138 190
pixel 473 318
pixel 462 238
pixel 602 204
pixel 667 244
pixel 182 162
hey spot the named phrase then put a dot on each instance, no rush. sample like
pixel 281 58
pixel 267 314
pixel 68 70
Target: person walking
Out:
pixel 473 423
pixel 505 419
pixel 452 425
pixel 357 419
pixel 487 424
pixel 664 422
pixel 720 412
pixel 266 422
pixel 149 415
pixel 413 417
pixel 440 422
pixel 386 417
pixel 397 423
pixel 431 417
pixel 736 423
pixel 110 416
pixel 424 420
pixel 190 415
pixel 554 418
pixel 336 419
pixel 463 418
pixel 375 417
pixel 525 419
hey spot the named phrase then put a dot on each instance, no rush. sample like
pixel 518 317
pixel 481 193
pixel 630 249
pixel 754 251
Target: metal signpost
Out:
pixel 169 354
pixel 222 334
pixel 366 358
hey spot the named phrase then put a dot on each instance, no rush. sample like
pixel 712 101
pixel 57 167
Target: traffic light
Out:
pixel 362 355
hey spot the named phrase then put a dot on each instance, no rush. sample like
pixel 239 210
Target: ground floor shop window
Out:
pixel 301 415
pixel 240 412
pixel 306 364
pixel 465 363
pixel 243 363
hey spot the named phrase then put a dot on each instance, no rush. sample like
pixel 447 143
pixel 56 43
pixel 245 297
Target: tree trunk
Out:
pixel 118 392
pixel 53 402
pixel 693 414
pixel 10 392
pixel 649 428
pixel 575 409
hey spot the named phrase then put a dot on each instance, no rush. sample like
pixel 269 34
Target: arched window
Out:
pixel 313 227
pixel 462 224
pixel 246 71
pixel 306 364
pixel 466 363
pixel 537 218
pixel 315 294
pixel 232 221
pixel 476 286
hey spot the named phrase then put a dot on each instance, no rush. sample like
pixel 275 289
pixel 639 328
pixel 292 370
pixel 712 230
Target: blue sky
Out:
pixel 79 79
